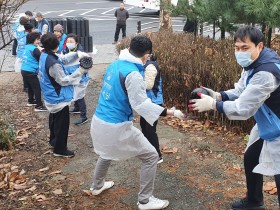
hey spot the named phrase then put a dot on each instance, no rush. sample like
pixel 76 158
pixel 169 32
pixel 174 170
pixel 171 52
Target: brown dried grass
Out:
pixel 186 62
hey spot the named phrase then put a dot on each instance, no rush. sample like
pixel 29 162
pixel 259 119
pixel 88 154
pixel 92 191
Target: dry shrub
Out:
pixel 7 133
pixel 186 62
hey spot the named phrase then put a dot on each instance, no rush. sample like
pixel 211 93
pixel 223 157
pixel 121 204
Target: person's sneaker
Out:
pixel 33 103
pixel 74 111
pixel 114 42
pixel 67 154
pixel 81 121
pixel 107 185
pixel 154 203
pixel 244 204
pixel 160 160
pixel 40 109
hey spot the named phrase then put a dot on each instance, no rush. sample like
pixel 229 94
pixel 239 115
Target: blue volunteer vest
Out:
pixel 29 62
pixel 61 43
pixel 52 92
pixel 113 104
pixel 268 115
pixel 155 94
pixel 40 25
pixel 21 39
pixel 71 69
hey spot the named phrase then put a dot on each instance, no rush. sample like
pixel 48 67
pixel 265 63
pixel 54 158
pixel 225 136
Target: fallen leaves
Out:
pixel 11 178
pixel 44 169
pixel 57 192
pixel 55 172
pixel 87 192
pixel 39 197
pixel 167 150
pixel 237 167
pixel 270 188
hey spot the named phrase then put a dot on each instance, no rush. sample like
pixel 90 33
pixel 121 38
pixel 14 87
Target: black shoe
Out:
pixel 40 109
pixel 32 103
pixel 74 111
pixel 67 154
pixel 81 121
pixel 244 204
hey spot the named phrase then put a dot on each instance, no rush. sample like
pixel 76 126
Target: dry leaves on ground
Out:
pixel 270 187
pixel 167 150
pixel 11 178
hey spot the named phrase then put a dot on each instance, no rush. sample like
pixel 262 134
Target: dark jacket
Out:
pixel 121 16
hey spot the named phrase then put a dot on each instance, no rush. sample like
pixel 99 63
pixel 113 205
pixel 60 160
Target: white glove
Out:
pixel 216 95
pixel 82 70
pixel 206 103
pixel 177 113
pixel 82 54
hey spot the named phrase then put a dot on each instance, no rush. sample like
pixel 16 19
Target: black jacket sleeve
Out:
pixel 164 113
pixel 36 54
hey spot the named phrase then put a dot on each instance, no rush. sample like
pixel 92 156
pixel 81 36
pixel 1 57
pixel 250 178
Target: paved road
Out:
pixel 101 16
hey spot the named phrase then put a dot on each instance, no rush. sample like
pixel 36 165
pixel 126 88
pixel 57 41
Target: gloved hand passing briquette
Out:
pixel 179 114
pixel 212 93
pixel 176 113
pixel 206 103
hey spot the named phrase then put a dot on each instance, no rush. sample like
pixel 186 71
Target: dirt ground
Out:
pixel 202 167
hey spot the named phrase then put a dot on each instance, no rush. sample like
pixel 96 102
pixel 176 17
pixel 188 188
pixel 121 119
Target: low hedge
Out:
pixel 186 62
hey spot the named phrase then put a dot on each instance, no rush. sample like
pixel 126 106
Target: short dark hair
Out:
pixel 49 41
pixel 254 34
pixel 31 37
pixel 23 20
pixel 140 45
pixel 74 36
pixel 29 13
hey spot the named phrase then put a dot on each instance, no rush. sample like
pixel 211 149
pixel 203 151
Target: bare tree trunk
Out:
pixel 165 20
pixel 269 34
pixel 8 9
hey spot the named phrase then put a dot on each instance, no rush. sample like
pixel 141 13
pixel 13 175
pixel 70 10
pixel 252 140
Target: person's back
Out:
pixel 153 79
pixel 113 104
pixel 113 134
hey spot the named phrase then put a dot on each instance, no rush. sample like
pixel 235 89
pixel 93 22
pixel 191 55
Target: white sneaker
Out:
pixel 106 186
pixel 154 203
pixel 160 160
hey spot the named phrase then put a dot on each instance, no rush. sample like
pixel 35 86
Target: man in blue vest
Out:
pixel 57 89
pixel 43 24
pixel 113 134
pixel 257 94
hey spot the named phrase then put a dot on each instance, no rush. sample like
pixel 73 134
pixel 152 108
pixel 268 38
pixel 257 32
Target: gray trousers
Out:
pixel 147 174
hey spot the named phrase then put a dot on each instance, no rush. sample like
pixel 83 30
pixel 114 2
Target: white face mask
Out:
pixel 243 58
pixel 70 46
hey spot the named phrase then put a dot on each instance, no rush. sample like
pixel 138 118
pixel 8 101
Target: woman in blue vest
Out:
pixel 153 81
pixel 72 45
pixel 20 34
pixel 57 90
pixel 257 94
pixel 58 31
pixel 30 68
